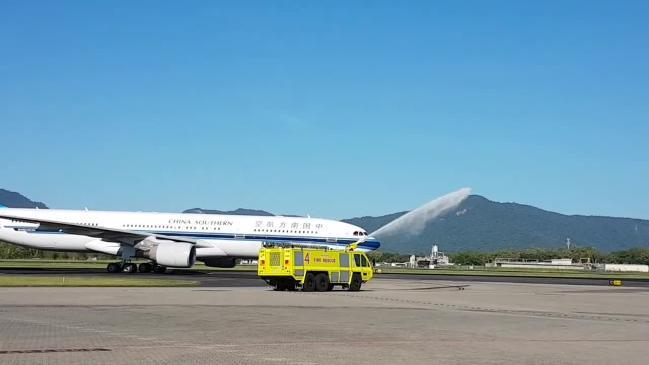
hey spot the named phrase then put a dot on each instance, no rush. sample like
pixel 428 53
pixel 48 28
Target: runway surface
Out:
pixel 392 321
pixel 250 279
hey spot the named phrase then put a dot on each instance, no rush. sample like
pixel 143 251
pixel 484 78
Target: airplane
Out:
pixel 174 240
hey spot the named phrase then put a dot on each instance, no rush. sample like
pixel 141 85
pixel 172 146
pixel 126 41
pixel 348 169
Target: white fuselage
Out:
pixel 218 235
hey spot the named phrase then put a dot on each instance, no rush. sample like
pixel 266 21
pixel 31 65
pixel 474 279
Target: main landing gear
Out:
pixel 131 268
pixel 114 267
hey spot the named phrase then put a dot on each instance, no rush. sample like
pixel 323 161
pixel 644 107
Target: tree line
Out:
pixel 13 252
pixel 631 256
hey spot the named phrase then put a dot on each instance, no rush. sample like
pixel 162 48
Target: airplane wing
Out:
pixel 127 237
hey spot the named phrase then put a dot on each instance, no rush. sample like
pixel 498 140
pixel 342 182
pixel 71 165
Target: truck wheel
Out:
pixel 321 282
pixel 309 282
pixel 356 283
pixel 291 285
pixel 330 287
pixel 280 285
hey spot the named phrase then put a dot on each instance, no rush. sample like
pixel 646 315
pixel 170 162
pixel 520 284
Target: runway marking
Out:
pixel 41 351
pixel 459 287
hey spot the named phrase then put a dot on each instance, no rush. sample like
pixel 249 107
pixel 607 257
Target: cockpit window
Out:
pixel 356 233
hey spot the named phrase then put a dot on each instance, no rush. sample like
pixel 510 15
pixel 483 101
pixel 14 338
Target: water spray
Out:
pixel 414 222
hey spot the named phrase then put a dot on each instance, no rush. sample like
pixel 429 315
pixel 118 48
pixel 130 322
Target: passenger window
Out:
pixel 357 260
pixel 365 263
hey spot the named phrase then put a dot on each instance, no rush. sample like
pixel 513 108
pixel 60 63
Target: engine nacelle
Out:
pixel 224 262
pixel 174 254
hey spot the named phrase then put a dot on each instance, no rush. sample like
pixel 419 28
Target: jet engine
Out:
pixel 173 254
pixel 225 262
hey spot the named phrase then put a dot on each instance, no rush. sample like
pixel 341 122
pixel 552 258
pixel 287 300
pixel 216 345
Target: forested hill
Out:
pixel 485 225
pixel 240 211
pixel 15 200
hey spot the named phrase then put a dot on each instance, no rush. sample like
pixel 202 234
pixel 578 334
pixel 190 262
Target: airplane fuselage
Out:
pixel 217 235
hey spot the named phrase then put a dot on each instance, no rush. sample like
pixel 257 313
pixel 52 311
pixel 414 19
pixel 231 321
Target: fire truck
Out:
pixel 313 268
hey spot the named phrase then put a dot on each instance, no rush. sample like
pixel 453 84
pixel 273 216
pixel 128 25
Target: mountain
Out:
pixel 483 225
pixel 15 200
pixel 240 211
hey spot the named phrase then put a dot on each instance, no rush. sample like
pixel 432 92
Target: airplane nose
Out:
pixel 372 243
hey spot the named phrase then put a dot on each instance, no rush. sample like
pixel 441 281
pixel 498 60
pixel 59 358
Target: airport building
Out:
pixel 566 264
pixel 435 259
pixel 558 264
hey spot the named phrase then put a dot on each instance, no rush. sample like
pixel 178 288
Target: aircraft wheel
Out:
pixel 145 267
pixel 114 267
pixel 159 269
pixel 130 268
pixel 321 282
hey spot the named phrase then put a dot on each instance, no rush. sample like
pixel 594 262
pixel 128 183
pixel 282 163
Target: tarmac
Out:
pixel 392 321
pixel 228 278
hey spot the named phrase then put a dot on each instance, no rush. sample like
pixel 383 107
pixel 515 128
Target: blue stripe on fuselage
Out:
pixel 369 244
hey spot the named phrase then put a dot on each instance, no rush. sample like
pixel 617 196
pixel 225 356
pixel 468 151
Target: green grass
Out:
pixel 100 265
pixel 52 264
pixel 477 271
pixel 75 281
pixel 540 273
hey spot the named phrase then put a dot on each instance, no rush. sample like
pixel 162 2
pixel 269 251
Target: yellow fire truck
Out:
pixel 313 269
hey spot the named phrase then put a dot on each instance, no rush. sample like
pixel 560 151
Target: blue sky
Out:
pixel 334 109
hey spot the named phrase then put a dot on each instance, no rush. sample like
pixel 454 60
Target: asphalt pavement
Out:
pixel 236 278
pixel 418 320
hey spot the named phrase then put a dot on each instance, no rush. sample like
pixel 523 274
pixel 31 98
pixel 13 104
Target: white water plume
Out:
pixel 414 222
